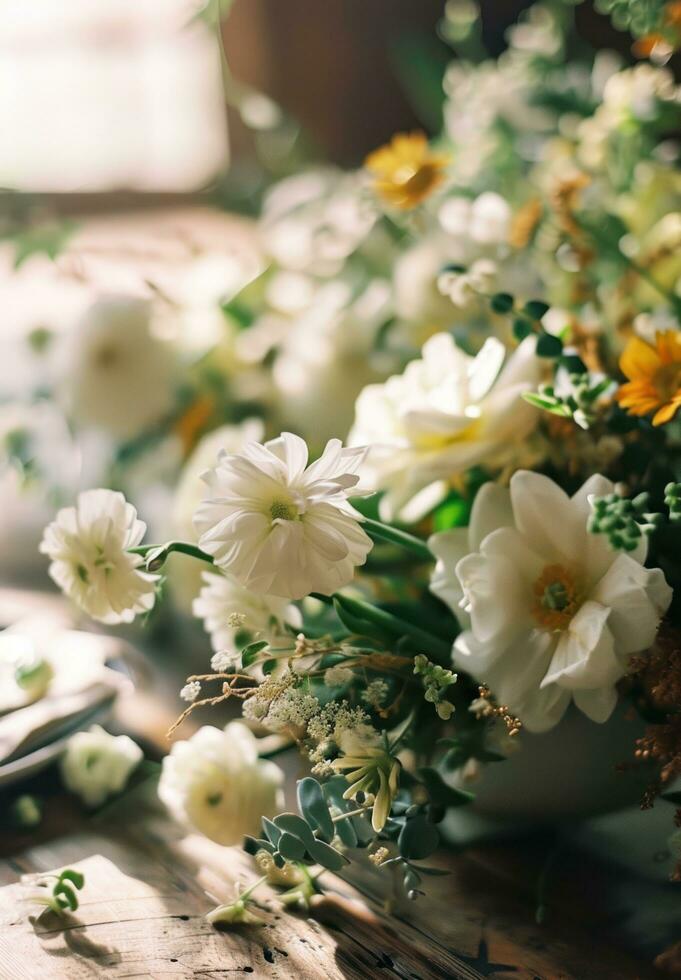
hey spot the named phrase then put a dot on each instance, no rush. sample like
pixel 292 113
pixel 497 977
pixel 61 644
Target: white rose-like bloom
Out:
pixel 215 783
pixel 90 562
pixel 550 612
pixel 96 765
pixel 447 412
pixel 279 526
pixel 114 374
pixel 222 601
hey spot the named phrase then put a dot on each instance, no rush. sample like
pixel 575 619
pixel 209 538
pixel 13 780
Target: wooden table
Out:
pixel 148 887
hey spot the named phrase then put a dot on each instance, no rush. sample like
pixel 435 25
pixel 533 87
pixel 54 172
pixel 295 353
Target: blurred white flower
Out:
pixel 96 765
pixel 445 413
pixel 550 612
pixel 485 220
pixel 463 287
pixel 281 527
pixel 228 611
pixel 114 374
pixel 90 561
pixel 215 784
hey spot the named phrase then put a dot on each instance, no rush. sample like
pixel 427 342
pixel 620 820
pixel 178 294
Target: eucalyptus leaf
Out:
pixel 314 808
pixel 418 838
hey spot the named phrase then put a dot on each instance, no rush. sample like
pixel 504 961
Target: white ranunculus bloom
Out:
pixel 96 765
pixel 228 609
pixel 279 526
pixel 447 412
pixel 550 612
pixel 114 374
pixel 90 561
pixel 215 783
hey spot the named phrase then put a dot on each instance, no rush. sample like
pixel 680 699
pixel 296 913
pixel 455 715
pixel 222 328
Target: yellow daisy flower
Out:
pixel 406 171
pixel 654 373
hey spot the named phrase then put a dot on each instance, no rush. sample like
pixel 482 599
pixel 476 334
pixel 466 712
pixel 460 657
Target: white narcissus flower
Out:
pixel 215 783
pixel 228 609
pixel 114 374
pixel 96 765
pixel 447 412
pixel 279 526
pixel 90 561
pixel 550 613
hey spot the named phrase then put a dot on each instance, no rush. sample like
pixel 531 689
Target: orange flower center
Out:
pixel 556 598
pixel 416 180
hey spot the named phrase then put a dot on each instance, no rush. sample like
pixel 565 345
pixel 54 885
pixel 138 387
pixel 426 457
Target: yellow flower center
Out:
pixel 556 598
pixel 283 510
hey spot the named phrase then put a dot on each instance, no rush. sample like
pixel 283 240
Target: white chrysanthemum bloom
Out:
pixel 550 613
pixel 96 765
pixel 90 561
pixel 447 412
pixel 215 783
pixel 280 527
pixel 115 374
pixel 228 611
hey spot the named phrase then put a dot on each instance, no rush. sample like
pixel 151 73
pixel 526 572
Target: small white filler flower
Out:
pixel 90 559
pixel 279 526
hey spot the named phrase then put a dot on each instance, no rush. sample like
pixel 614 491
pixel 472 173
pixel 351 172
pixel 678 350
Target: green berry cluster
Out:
pixel 623 521
pixel 672 500
pixel 436 680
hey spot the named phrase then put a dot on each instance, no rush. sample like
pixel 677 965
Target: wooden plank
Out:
pixel 148 887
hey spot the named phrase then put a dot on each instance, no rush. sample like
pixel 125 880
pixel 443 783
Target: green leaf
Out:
pixel 249 653
pixel 549 346
pixel 536 309
pixel 313 807
pixel 47 240
pixel 293 824
pixel 522 328
pixel 292 847
pixel 271 831
pixel 418 838
pixel 501 302
pixel 327 856
pixel 346 832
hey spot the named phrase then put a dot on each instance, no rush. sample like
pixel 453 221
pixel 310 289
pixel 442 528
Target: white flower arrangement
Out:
pixel 508 302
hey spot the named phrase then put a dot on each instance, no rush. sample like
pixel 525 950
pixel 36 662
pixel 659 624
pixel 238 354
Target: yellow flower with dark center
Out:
pixel 406 171
pixel 654 373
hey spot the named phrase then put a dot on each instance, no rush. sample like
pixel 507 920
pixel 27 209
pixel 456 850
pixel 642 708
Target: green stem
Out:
pixel 351 813
pixel 393 624
pixel 157 554
pixel 244 896
pixel 383 532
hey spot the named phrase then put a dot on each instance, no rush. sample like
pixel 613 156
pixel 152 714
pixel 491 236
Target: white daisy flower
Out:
pixel 550 613
pixel 190 691
pixel 229 610
pixel 280 527
pixel 90 560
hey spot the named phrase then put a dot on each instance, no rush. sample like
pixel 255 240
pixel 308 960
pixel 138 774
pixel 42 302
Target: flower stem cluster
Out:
pixel 624 521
